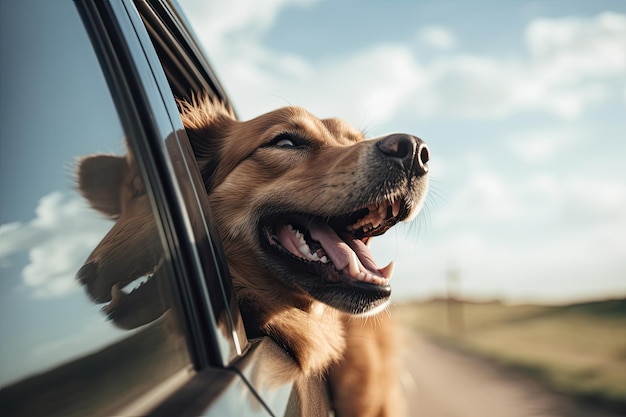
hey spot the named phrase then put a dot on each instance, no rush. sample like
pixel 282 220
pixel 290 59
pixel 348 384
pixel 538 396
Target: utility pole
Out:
pixel 456 321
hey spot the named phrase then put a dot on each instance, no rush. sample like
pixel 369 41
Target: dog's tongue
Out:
pixel 350 255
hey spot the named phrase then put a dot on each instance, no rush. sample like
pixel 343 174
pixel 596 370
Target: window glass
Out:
pixel 88 323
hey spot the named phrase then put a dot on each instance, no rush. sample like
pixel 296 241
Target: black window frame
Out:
pixel 150 118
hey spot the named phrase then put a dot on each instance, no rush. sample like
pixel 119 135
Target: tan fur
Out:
pixel 241 185
pixel 334 174
pixel 360 353
pixel 366 383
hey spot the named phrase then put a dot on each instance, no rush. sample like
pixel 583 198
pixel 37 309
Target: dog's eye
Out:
pixel 286 140
pixel 285 143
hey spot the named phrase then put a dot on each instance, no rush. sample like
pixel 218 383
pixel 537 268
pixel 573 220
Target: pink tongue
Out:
pixel 340 252
pixel 363 252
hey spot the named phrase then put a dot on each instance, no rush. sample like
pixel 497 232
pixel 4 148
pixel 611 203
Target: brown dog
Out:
pixel 296 200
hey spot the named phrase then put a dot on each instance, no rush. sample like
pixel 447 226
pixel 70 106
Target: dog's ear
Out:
pixel 208 122
pixel 99 180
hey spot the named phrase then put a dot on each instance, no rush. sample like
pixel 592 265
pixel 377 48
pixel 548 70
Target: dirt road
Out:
pixel 446 383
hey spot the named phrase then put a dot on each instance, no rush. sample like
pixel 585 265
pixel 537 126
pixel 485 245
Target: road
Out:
pixel 447 383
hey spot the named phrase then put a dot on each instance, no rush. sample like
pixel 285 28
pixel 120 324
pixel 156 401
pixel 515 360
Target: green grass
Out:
pixel 577 349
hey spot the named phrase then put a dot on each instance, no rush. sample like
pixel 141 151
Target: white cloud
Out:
pixel 546 235
pixel 57 240
pixel 437 37
pixel 586 200
pixel 390 73
pixel 541 146
pixel 574 48
pixel 570 65
pixel 573 63
pixel 220 22
pixel 479 195
pixel 563 239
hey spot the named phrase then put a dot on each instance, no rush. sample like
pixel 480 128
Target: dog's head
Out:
pixel 296 200
pixel 130 250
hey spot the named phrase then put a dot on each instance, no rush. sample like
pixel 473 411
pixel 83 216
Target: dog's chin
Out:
pixel 328 258
pixel 346 294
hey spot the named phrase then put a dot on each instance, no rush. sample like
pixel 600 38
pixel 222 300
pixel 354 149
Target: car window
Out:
pixel 88 322
pixel 187 74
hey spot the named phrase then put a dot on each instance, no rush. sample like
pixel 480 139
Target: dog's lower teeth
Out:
pixel 305 250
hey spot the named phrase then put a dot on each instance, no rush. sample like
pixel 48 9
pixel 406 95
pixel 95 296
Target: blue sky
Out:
pixel 521 102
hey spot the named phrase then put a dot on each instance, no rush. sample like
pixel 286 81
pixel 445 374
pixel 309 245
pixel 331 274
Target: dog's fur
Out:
pixel 288 167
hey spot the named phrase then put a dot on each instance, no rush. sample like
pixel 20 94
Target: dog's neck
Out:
pixel 303 333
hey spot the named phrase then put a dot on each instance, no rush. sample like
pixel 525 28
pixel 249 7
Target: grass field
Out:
pixel 578 349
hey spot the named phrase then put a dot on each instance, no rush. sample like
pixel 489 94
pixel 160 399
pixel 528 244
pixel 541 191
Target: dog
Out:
pixel 296 200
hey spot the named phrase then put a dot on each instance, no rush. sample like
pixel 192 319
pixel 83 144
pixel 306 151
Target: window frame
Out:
pixel 149 116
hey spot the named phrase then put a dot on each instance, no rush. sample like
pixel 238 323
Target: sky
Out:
pixel 521 103
pixel 523 106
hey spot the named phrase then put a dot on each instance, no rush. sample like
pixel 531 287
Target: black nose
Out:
pixel 411 152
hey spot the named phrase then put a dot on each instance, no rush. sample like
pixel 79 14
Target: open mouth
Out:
pixel 139 303
pixel 131 303
pixel 335 249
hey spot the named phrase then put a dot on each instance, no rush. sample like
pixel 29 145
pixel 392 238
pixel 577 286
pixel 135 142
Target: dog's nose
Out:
pixel 411 152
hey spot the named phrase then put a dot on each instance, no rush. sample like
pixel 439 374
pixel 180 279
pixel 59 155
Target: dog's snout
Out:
pixel 87 273
pixel 411 152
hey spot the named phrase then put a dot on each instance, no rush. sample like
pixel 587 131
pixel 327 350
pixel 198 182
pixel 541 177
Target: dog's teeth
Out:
pixel 314 257
pixel 387 271
pixel 324 259
pixel 353 265
pixel 377 214
pixel 305 250
pixel 116 295
pixel 375 279
pixel 361 276
pixel 395 208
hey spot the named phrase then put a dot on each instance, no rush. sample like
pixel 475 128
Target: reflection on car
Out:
pixel 131 250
